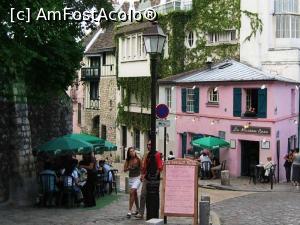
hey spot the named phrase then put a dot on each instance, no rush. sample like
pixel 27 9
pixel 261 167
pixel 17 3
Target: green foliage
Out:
pixel 44 54
pixel 133 120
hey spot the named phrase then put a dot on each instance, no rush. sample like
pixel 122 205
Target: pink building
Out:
pixel 255 111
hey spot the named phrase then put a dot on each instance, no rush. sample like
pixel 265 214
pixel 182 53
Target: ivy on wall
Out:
pixel 133 120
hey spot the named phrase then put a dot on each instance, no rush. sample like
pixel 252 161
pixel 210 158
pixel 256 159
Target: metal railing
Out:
pixel 170 6
pixel 89 73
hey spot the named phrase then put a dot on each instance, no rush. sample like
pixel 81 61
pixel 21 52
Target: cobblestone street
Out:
pixel 280 208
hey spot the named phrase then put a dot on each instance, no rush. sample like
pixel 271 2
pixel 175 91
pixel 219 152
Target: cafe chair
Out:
pixel 68 192
pixel 47 189
pixel 100 184
pixel 112 183
pixel 205 170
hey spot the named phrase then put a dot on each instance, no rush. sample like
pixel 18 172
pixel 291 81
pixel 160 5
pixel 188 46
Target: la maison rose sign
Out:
pixel 250 130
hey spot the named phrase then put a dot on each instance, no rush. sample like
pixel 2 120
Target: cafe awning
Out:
pixel 108 146
pixel 95 141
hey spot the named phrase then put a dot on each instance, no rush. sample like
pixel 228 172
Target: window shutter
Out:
pixel 237 102
pixel 196 100
pixel 262 103
pixel 183 99
pixel 183 143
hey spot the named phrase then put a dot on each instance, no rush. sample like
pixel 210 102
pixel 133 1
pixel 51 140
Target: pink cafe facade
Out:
pixel 257 113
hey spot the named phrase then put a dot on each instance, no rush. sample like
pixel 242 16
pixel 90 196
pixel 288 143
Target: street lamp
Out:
pixel 154 40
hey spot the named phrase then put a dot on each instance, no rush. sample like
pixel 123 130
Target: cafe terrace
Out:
pixel 256 112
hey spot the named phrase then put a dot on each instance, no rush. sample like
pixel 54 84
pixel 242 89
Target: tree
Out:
pixel 44 54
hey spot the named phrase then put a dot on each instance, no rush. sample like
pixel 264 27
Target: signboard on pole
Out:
pixel 180 189
pixel 162 111
pixel 163 123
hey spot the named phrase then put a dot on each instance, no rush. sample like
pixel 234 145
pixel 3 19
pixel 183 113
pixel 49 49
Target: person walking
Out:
pixel 146 161
pixel 289 158
pixel 133 164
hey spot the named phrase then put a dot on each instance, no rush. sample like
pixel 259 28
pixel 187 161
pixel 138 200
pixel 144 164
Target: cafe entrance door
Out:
pixel 249 156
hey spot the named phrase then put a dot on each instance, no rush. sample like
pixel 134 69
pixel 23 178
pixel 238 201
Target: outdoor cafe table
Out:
pixel 259 172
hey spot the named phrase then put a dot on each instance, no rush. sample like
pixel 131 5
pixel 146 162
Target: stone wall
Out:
pixel 24 126
pixel 108 107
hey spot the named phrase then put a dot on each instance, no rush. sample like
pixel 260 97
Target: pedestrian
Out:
pixel 296 170
pixel 289 158
pixel 171 155
pixel 89 163
pixel 144 177
pixel 133 164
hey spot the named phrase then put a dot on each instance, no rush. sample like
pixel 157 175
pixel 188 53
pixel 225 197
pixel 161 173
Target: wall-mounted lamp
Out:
pixel 297 87
pixel 263 86
pixel 194 86
pixel 247 125
pixel 216 89
pixel 193 119
pixel 214 122
pixel 295 121
pixel 275 110
pixel 264 140
pixel 172 88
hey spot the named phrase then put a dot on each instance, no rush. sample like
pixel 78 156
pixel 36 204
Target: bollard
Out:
pixel 225 177
pixel 204 212
pixel 118 183
pixel 126 185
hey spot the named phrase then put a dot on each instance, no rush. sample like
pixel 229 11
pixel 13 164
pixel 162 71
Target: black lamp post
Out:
pixel 154 40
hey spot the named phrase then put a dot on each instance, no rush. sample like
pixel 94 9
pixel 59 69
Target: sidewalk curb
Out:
pixel 214 218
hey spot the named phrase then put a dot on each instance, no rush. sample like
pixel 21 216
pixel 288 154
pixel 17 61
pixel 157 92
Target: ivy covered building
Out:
pixel 195 31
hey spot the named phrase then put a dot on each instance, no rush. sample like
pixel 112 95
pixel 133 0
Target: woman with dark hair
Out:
pixel 133 165
pixel 88 162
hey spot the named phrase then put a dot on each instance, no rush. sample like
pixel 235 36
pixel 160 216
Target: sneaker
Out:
pixel 128 215
pixel 139 216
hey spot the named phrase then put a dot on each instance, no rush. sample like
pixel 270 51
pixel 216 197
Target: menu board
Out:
pixel 180 189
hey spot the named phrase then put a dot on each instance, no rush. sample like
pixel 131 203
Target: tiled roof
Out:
pixel 105 42
pixel 226 71
pixel 86 40
pixel 133 27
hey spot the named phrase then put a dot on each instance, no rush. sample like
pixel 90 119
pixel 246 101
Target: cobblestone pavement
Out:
pixel 260 209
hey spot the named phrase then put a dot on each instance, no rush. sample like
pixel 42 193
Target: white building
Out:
pixel 277 48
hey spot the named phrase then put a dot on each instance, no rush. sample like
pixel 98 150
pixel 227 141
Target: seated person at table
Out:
pixel 204 158
pixel 216 166
pixel 106 168
pixel 72 171
pixel 267 166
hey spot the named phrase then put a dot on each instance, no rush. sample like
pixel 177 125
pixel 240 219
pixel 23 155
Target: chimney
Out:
pixel 209 62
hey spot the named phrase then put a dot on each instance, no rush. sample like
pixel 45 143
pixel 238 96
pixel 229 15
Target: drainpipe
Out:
pixel 298 119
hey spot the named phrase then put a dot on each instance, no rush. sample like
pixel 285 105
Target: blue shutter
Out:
pixel 237 102
pixel 262 103
pixel 183 143
pixel 183 99
pixel 196 100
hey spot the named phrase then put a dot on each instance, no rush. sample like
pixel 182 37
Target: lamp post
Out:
pixel 154 40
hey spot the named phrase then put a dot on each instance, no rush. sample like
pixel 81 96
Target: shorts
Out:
pixel 134 182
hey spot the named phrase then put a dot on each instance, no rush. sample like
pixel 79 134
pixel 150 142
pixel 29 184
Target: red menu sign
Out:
pixel 180 188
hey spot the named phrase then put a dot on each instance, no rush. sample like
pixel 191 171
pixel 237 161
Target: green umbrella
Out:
pixel 108 146
pixel 63 145
pixel 210 143
pixel 87 138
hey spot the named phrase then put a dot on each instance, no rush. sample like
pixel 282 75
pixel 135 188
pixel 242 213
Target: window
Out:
pixel 190 39
pixel 213 95
pixel 251 102
pixel 287 23
pixel 168 97
pixel 139 46
pixel 133 47
pixel 190 100
pixel 123 44
pixel 103 132
pixel 94 86
pixel 137 139
pixel 293 101
pixel 104 58
pixel 222 37
pixel 94 61
pixel 128 46
pixel 79 113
